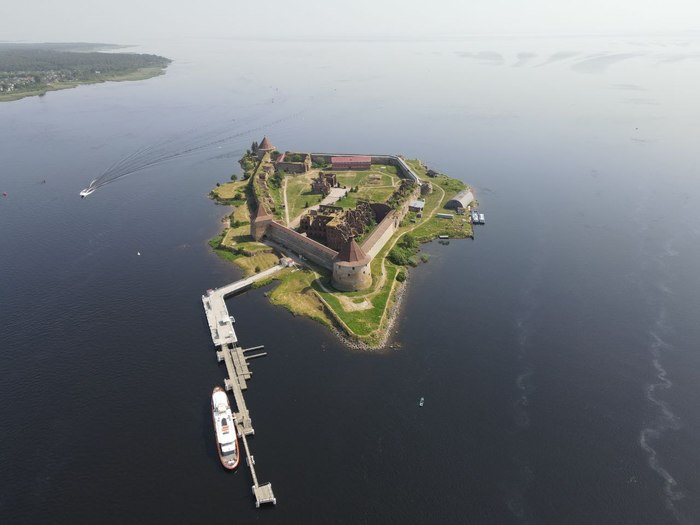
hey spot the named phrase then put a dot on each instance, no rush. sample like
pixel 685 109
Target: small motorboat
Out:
pixel 89 190
pixel 86 192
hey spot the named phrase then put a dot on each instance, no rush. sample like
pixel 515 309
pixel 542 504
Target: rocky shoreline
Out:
pixel 386 331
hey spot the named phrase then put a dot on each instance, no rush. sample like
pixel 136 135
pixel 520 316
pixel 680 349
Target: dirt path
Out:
pixel 382 275
pixel 284 195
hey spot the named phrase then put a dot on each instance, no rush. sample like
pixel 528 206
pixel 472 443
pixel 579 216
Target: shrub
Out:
pixel 401 275
pixel 405 250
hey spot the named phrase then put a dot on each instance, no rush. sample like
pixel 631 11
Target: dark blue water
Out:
pixel 557 352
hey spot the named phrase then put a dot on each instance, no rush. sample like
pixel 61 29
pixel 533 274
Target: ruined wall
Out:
pixel 292 167
pixel 300 244
pixel 387 227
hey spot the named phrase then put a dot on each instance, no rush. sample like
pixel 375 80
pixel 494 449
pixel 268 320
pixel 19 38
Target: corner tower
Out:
pixel 351 271
pixel 265 147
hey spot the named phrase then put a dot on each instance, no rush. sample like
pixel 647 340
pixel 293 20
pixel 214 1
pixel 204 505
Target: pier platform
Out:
pixel 225 340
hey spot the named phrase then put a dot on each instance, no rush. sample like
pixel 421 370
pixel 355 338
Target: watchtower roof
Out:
pixel 266 145
pixel 352 252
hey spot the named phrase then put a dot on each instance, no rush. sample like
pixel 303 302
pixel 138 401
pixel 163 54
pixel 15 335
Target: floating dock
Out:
pixel 224 337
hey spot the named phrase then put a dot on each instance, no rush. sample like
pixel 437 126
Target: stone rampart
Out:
pixel 381 234
pixel 324 256
pixel 387 227
pixel 300 244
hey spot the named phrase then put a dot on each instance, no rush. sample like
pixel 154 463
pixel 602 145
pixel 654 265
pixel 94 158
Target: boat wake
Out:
pixel 173 148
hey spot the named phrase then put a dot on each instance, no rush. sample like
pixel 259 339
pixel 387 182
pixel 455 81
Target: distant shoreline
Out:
pixel 29 70
pixel 138 74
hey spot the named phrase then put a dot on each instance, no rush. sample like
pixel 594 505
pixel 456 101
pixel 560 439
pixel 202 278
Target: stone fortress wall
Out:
pixel 302 245
pixel 347 275
pixel 387 227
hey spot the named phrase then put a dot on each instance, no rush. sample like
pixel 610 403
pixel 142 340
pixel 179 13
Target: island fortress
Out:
pixel 341 254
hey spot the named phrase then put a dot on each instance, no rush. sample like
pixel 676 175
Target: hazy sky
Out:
pixel 129 21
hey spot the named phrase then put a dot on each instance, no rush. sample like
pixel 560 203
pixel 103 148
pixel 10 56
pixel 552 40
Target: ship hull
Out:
pixel 230 461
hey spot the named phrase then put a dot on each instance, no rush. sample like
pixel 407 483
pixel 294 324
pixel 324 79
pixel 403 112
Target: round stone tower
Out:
pixel 265 147
pixel 351 271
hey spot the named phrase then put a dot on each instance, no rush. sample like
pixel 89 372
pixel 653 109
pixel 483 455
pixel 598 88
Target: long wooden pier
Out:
pixel 225 340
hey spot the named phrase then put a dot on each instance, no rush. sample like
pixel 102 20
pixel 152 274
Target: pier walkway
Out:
pixel 225 340
pixel 220 323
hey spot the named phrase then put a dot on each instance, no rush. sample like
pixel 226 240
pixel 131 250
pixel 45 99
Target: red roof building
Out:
pixel 351 163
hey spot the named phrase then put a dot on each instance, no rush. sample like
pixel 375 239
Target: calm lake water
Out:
pixel 558 352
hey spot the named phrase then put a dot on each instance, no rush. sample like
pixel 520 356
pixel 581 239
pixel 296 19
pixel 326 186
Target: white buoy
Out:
pixel 138 253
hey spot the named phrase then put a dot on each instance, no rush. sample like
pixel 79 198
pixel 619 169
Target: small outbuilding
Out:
pixel 417 206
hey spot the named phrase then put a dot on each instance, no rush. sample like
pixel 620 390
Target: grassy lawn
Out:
pixel 295 294
pixel 262 261
pixel 351 178
pixel 434 227
pixel 241 214
pixel 229 190
pixel 299 193
pixel 139 74
pixel 387 175
pixel 385 168
pixel 375 194
pixel 234 236
pixel 231 245
pixel 450 185
pixel 349 201
pixel 251 246
pixel 362 322
pixel 366 193
pixel 276 194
